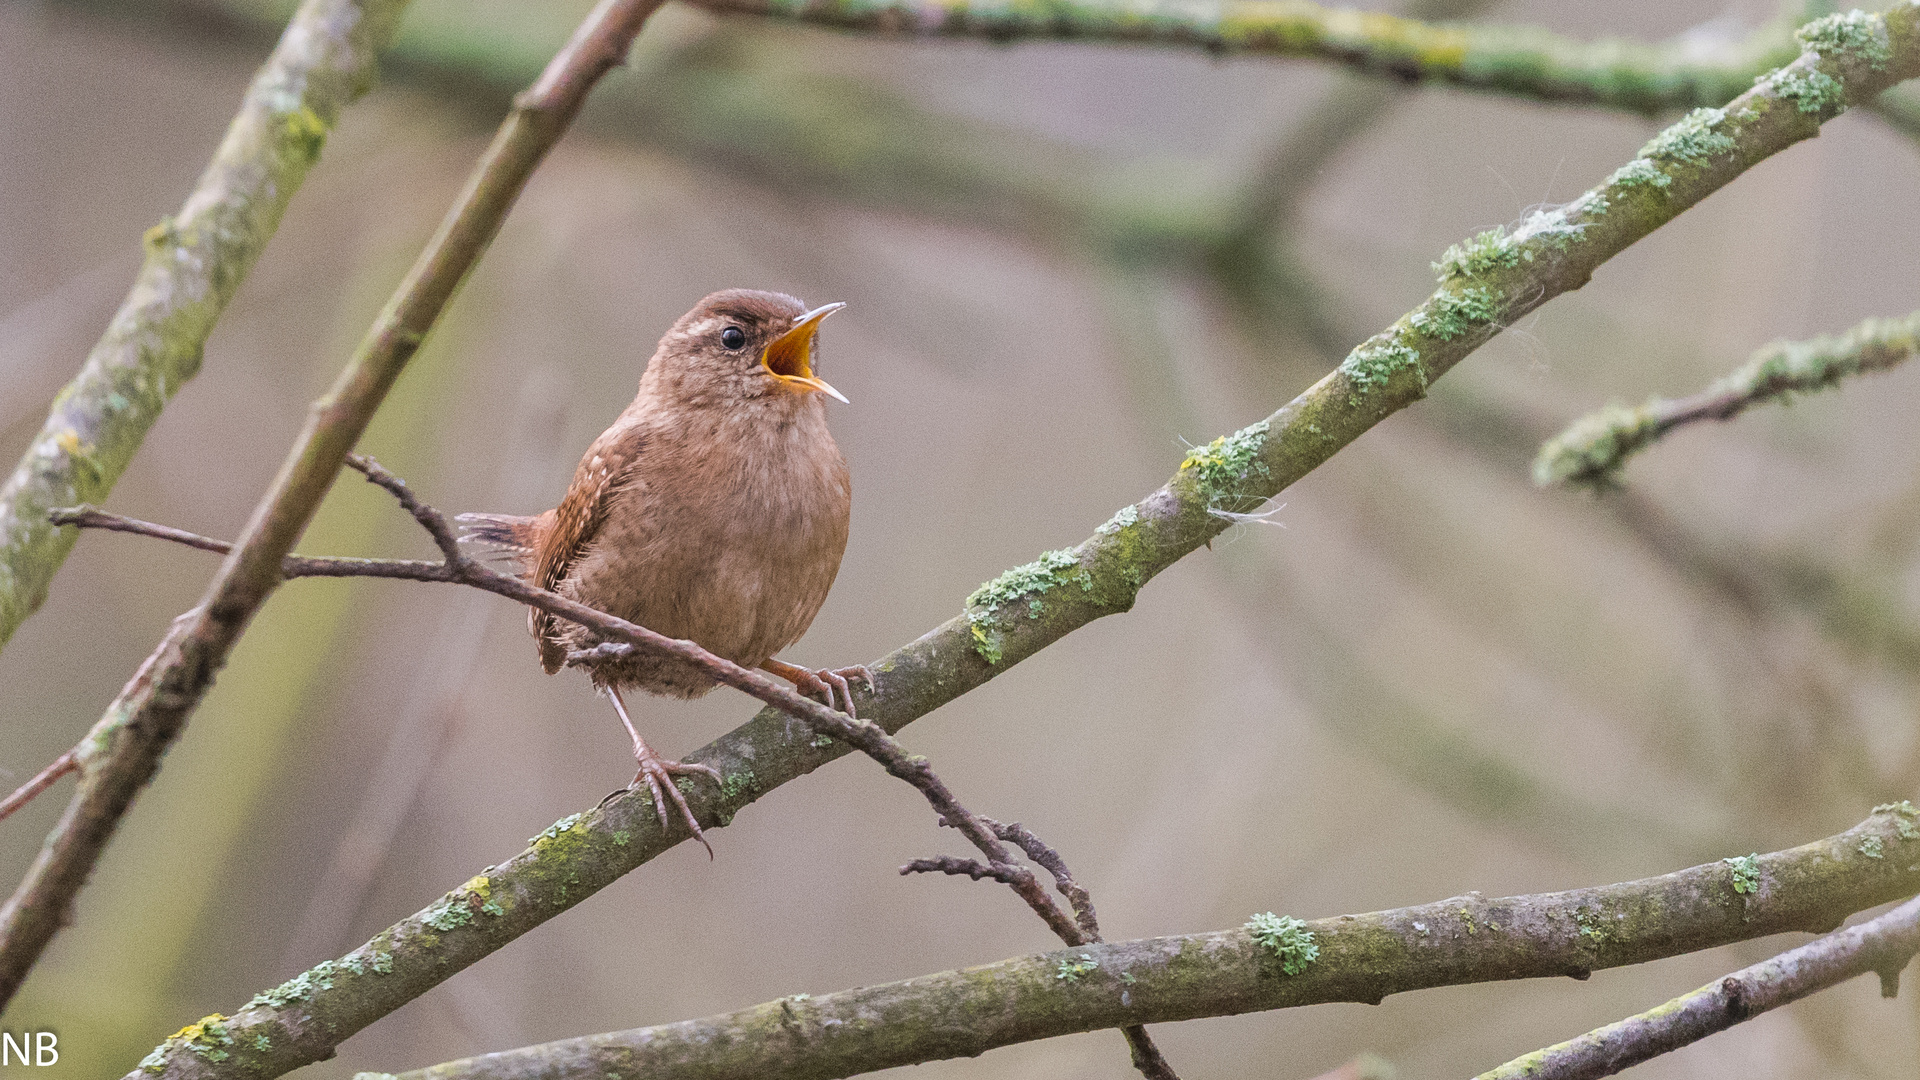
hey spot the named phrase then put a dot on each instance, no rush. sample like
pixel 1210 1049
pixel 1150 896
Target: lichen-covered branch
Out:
pixel 1883 945
pixel 1485 283
pixel 1515 60
pixel 195 261
pixel 122 751
pixel 1593 449
pixel 1361 958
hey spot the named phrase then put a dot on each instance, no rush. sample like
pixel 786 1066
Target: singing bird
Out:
pixel 714 509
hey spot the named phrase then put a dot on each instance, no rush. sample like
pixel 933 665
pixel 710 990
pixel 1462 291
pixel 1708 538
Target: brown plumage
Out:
pixel 714 509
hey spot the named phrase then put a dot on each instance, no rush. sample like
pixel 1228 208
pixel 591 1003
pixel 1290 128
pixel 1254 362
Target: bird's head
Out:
pixel 742 344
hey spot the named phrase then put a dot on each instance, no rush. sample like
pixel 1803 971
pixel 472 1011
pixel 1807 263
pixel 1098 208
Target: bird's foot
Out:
pixel 823 684
pixel 658 772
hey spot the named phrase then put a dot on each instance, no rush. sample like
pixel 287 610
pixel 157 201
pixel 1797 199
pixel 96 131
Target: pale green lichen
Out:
pixel 1594 447
pixel 1287 938
pixel 1849 34
pixel 302 986
pixel 1483 254
pixel 1022 583
pixel 1873 847
pixel 736 784
pixel 1640 173
pixel 985 641
pixel 1454 313
pixel 1591 928
pixel 1221 465
pixel 1377 360
pixel 1122 518
pixel 1073 969
pixel 556 830
pixel 1692 140
pixel 1813 91
pixel 1906 818
pixel 1746 873
pixel 621 838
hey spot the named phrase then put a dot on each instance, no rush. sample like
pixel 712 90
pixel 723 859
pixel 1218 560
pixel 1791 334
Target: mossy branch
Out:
pixel 1361 958
pixel 1514 60
pixel 195 261
pixel 1594 448
pixel 1486 282
pixel 123 750
pixel 1883 945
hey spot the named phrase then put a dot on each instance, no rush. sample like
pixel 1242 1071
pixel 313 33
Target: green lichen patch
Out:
pixel 736 784
pixel 1849 35
pixel 1692 140
pixel 302 986
pixel 1219 467
pixel 1125 516
pixel 207 1037
pixel 451 912
pixel 1746 873
pixel 985 641
pixel 1593 448
pixel 1811 90
pixel 1873 847
pixel 1454 313
pixel 1589 921
pixel 1906 818
pixel 1073 969
pixel 1485 253
pixel 621 838
pixel 1377 360
pixel 1028 582
pixel 558 830
pixel 1640 172
pixel 1287 938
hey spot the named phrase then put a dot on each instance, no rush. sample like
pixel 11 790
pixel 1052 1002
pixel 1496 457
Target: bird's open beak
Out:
pixel 789 358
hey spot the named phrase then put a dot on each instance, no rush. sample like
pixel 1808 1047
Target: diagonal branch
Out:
pixel 124 748
pixel 195 262
pixel 1489 281
pixel 1883 945
pixel 1593 449
pixel 1362 958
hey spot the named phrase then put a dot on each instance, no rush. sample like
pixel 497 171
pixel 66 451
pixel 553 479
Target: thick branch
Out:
pixel 1516 60
pixel 1883 945
pixel 1488 281
pixel 1363 958
pixel 1593 448
pixel 195 262
pixel 124 748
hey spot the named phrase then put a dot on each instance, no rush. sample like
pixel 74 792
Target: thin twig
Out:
pixel 61 766
pixel 1593 449
pixel 1883 945
pixel 124 748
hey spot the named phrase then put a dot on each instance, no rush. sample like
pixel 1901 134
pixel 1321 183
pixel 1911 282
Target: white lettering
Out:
pixel 7 1044
pixel 47 1052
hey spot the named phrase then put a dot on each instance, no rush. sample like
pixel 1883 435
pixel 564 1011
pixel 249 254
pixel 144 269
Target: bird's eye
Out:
pixel 733 337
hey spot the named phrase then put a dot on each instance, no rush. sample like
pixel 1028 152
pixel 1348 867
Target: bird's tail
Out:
pixel 508 534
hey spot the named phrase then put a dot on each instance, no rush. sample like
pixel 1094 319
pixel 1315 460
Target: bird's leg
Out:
pixel 659 772
pixel 824 682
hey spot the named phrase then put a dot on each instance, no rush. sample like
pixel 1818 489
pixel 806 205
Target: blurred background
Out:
pixel 1063 263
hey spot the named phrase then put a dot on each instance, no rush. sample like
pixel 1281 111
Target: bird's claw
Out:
pixel 658 772
pixel 824 683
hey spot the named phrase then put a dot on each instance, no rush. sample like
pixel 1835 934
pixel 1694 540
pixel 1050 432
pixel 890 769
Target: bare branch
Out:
pixel 1882 945
pixel 67 762
pixel 1593 449
pixel 124 748
pixel 1362 958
